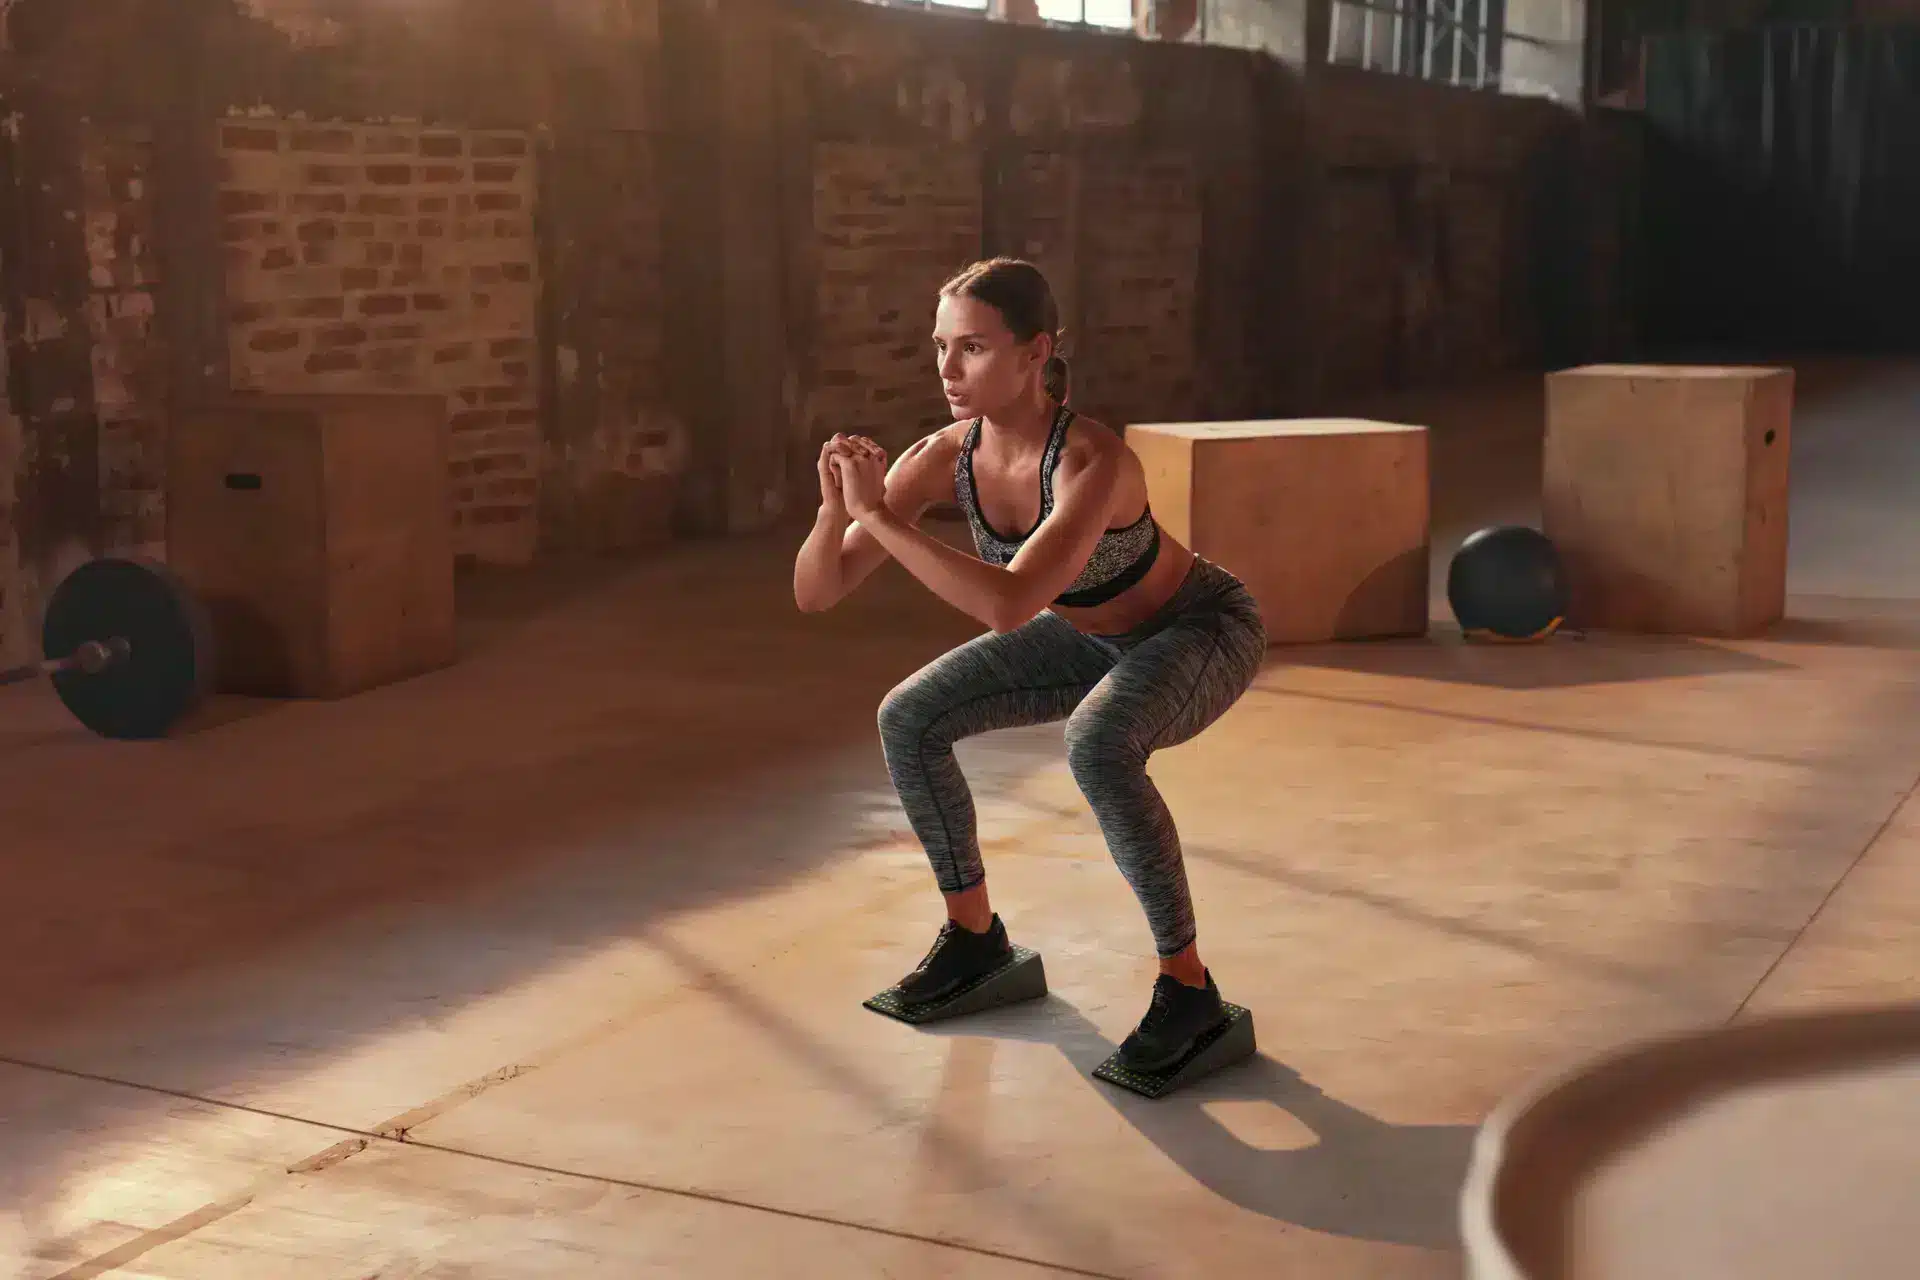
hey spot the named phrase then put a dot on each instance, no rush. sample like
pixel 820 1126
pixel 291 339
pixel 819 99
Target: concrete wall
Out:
pixel 654 252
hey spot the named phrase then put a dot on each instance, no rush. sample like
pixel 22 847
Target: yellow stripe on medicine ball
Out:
pixel 1495 637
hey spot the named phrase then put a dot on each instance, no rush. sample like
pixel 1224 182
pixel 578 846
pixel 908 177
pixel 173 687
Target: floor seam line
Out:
pixel 1608 736
pixel 1879 832
pixel 396 1129
pixel 397 1132
pixel 361 1139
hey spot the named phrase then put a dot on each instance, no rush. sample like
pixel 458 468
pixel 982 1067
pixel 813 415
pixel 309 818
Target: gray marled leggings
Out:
pixel 1123 698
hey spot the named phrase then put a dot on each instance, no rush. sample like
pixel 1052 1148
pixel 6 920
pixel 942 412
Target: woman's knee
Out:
pixel 906 713
pixel 1100 746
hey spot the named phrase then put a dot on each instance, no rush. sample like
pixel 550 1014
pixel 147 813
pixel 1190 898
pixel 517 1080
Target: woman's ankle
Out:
pixel 1185 966
pixel 970 909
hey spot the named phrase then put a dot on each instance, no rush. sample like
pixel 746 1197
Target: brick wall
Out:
pixel 1139 232
pixel 937 141
pixel 1119 238
pixel 1225 239
pixel 890 224
pixel 616 458
pixel 388 257
pixel 1481 238
pixel 15 620
pixel 1356 241
pixel 49 434
pixel 1415 277
pixel 1043 197
pixel 1423 247
pixel 1408 212
pixel 129 374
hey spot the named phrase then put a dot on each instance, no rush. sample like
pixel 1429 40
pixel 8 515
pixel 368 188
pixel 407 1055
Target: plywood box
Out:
pixel 1324 519
pixel 319 531
pixel 1665 489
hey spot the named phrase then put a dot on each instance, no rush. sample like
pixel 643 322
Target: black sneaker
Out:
pixel 959 957
pixel 1176 1020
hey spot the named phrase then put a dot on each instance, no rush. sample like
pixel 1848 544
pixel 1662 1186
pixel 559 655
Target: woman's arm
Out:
pixel 838 554
pixel 1002 598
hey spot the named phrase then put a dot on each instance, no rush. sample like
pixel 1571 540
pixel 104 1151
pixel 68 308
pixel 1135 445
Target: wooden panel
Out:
pixel 319 529
pixel 389 565
pixel 1665 488
pixel 245 529
pixel 1769 456
pixel 1325 520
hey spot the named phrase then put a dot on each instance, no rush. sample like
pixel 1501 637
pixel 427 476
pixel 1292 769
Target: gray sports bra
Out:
pixel 1120 559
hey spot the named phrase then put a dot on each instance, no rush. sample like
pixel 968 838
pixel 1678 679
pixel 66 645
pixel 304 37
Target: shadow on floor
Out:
pixel 1363 1178
pixel 1563 661
pixel 1867 628
pixel 591 720
pixel 301 883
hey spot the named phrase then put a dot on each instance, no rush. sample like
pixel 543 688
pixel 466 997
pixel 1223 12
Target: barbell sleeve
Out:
pixel 92 657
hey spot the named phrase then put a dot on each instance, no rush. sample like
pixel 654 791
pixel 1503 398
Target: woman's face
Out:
pixel 983 367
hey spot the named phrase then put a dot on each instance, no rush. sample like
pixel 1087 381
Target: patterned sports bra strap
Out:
pixel 961 469
pixel 1056 449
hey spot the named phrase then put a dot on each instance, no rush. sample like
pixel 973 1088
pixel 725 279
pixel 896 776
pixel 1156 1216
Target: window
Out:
pixel 1517 46
pixel 1108 15
pixel 1115 15
pixel 1452 41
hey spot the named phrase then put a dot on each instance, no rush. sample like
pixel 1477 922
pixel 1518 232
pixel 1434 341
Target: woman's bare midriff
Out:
pixel 1140 601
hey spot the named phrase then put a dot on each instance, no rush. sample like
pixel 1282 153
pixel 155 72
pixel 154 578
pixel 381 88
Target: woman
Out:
pixel 1096 618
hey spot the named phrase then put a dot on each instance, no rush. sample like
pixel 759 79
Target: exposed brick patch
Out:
pixel 891 223
pixel 331 303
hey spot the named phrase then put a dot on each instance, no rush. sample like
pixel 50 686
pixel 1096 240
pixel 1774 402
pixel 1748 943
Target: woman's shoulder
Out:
pixel 944 443
pixel 1091 429
pixel 1089 441
pixel 937 451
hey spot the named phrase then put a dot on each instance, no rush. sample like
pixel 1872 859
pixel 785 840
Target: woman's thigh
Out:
pixel 1169 687
pixel 1035 674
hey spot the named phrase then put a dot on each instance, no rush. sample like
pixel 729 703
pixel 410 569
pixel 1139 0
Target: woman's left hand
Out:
pixel 862 467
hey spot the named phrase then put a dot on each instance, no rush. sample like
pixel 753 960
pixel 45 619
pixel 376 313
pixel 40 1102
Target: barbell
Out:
pixel 127 646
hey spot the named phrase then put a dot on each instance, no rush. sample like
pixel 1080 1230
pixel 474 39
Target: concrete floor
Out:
pixel 550 964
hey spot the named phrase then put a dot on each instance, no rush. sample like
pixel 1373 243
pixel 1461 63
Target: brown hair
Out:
pixel 1020 293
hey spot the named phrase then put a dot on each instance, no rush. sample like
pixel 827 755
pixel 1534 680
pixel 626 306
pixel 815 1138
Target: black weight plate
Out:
pixel 169 668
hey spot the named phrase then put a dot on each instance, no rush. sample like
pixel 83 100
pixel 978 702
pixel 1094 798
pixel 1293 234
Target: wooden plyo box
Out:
pixel 318 529
pixel 1665 489
pixel 1325 519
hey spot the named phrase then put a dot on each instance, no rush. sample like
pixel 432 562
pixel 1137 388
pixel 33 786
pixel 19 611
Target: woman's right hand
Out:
pixel 833 498
pixel 832 502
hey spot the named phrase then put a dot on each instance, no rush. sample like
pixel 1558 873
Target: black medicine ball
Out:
pixel 1506 582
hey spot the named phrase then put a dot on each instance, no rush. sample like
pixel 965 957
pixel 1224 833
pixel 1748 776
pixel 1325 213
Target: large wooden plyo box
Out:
pixel 318 529
pixel 1324 519
pixel 1665 490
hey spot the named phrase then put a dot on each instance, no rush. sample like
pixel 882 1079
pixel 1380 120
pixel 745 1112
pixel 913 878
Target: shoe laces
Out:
pixel 939 940
pixel 1159 1010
